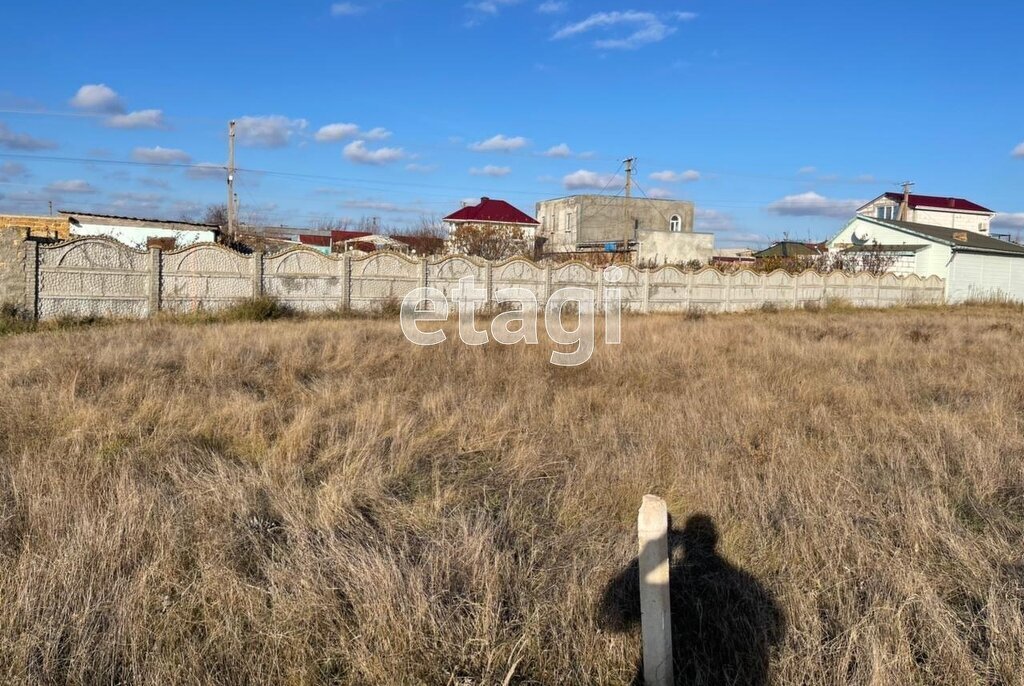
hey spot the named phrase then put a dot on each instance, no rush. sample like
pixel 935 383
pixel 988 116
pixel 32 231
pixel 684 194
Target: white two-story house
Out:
pixel 932 210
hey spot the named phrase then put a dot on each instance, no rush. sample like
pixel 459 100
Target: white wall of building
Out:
pixel 137 237
pixel 933 259
pixel 965 221
pixel 976 276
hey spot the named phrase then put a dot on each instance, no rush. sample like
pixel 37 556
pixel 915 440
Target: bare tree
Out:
pixel 490 242
pixel 332 224
pixel 216 214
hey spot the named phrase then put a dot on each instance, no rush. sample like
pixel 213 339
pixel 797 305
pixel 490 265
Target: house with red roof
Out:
pixel 932 210
pixel 491 213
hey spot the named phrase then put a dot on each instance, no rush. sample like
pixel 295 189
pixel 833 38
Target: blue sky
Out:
pixel 774 118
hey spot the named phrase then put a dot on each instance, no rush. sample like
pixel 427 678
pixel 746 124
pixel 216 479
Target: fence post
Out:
pixel 826 279
pixel 257 274
pixel 795 278
pixel 489 281
pixel 547 287
pixel 346 281
pixel 655 609
pixel 32 278
pixel 155 267
pixel 645 279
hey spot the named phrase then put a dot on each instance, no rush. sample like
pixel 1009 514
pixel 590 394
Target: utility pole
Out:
pixel 629 175
pixel 51 208
pixel 905 205
pixel 231 180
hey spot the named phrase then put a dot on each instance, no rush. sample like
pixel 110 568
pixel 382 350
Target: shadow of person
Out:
pixel 724 622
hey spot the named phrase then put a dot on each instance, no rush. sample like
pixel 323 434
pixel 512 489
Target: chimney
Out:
pixel 905 204
pixel 484 199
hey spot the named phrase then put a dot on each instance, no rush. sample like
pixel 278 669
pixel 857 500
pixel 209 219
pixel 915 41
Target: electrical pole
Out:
pixel 629 175
pixel 231 180
pixel 905 205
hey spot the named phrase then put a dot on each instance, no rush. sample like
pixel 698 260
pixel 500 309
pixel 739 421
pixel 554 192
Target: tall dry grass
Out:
pixel 321 502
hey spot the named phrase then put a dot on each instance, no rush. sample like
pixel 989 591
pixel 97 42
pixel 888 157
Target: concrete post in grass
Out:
pixel 655 613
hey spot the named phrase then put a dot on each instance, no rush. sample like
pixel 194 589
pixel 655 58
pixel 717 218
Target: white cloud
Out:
pixel 273 131
pixel 207 170
pixel 810 204
pixel 713 220
pixel 807 170
pixel 13 170
pixel 500 143
pixel 421 168
pixel 382 206
pixel 1018 151
pixel 22 141
pixel 99 98
pixel 660 193
pixel 552 7
pixel 669 176
pixel 336 132
pixel 490 170
pixel 1009 220
pixel 590 180
pixel 357 152
pixel 159 155
pixel 490 6
pixel 141 119
pixel 648 28
pixel 70 186
pixel 346 9
pixel 561 150
pixel 377 133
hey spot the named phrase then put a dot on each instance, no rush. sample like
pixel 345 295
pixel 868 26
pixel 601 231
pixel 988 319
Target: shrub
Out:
pixel 262 309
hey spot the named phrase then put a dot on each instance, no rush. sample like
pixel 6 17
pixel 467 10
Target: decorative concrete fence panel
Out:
pixel 632 287
pixel 863 289
pixel 100 277
pixel 573 274
pixel 382 279
pixel 745 291
pixel 810 288
pixel 709 290
pixel 519 273
pixel 206 277
pixel 305 280
pixel 91 277
pixel 444 274
pixel 778 288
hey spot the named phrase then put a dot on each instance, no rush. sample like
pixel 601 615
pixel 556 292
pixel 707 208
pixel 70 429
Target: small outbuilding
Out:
pixel 140 233
pixel 975 266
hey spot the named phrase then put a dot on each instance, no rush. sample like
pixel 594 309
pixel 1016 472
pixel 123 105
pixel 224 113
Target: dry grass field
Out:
pixel 318 501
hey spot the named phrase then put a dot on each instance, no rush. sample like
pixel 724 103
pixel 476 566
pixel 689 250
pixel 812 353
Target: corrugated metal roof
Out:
pixel 940 201
pixel 956 238
pixel 72 214
pixel 489 210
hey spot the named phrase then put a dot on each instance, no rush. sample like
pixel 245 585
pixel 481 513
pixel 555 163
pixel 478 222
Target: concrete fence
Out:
pixel 100 277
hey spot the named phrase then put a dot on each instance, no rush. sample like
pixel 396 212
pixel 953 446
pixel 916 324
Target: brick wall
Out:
pixel 37 227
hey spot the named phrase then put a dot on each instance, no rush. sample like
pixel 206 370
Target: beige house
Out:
pixel 659 231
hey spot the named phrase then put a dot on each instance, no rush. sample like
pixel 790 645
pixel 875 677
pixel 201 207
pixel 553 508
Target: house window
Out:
pixel 675 224
pixel 568 222
pixel 887 212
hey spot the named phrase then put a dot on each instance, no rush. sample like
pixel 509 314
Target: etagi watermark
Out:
pixel 519 307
